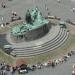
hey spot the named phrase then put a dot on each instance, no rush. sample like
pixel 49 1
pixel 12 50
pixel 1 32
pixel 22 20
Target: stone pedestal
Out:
pixel 32 34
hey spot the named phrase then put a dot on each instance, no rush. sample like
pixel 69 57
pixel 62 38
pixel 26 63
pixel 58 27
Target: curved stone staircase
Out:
pixel 43 48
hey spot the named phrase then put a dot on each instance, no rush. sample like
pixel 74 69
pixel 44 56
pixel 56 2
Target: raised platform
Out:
pixel 49 36
pixel 32 34
pixel 55 38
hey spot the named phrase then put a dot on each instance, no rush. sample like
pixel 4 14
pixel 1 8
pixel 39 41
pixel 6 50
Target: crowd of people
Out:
pixel 5 68
pixel 50 63
pixel 73 72
pixel 25 68
pixel 14 16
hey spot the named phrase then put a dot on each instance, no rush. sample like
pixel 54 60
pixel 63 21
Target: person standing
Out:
pixel 73 9
pixel 3 4
pixel 73 72
pixel 58 1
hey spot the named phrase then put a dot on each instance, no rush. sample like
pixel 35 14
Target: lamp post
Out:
pixel 2 21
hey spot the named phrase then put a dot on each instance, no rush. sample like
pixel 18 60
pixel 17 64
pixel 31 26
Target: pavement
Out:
pixel 62 9
pixel 61 69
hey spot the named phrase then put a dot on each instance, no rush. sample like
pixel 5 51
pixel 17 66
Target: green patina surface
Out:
pixel 62 24
pixel 36 21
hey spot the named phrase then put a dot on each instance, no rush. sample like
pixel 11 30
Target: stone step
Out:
pixel 45 51
pixel 35 52
pixel 42 47
pixel 49 42
pixel 23 50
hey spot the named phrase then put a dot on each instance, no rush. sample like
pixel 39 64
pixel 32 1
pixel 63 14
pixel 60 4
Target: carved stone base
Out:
pixel 33 34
